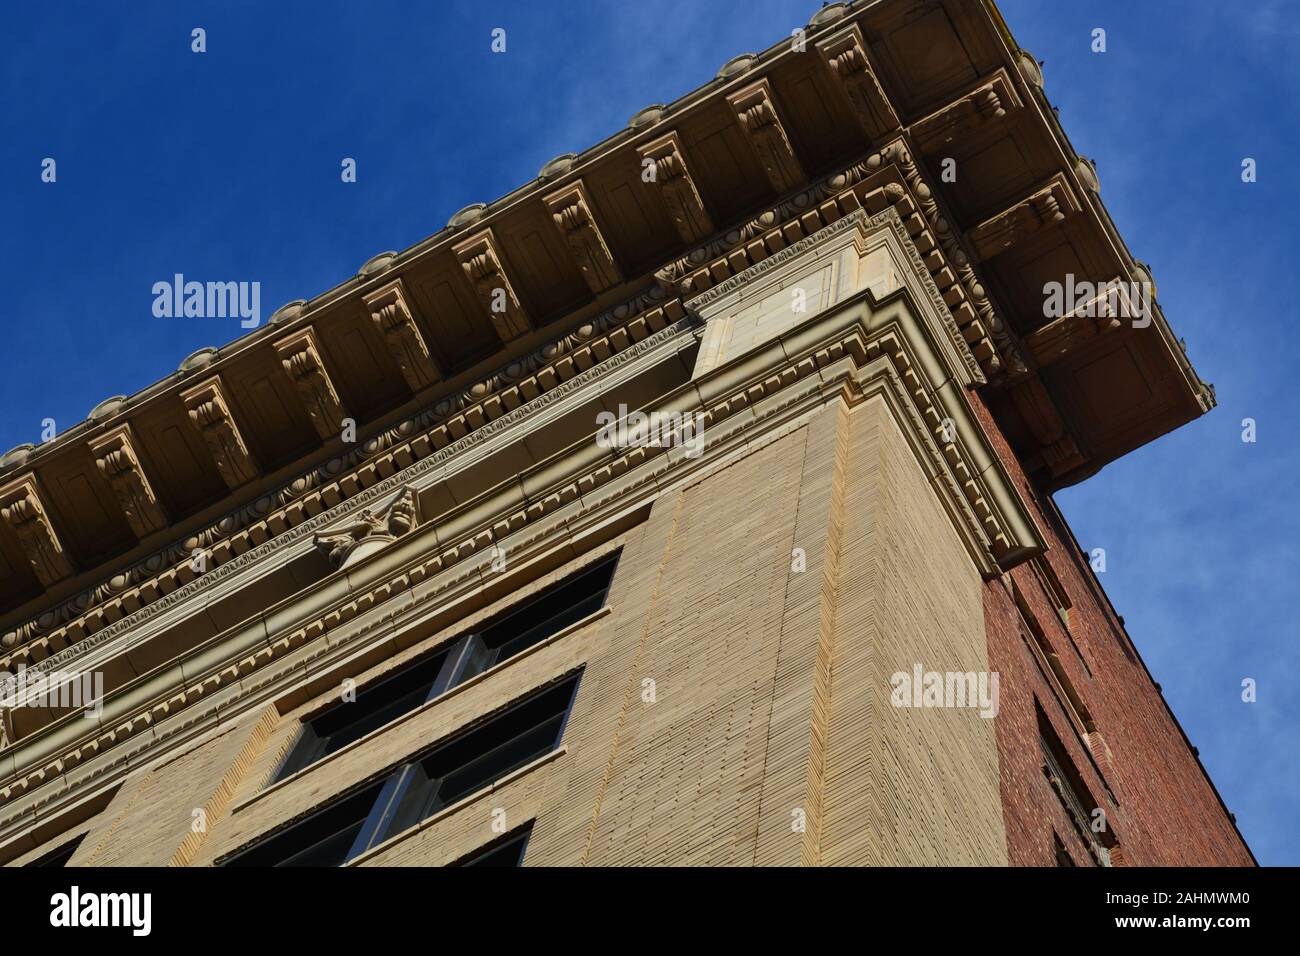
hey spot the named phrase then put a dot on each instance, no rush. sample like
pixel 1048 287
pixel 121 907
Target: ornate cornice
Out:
pixel 991 339
pixel 845 352
pixel 429 460
pixel 757 115
pixel 210 415
pixel 300 355
pixel 446 419
pixel 115 457
pixel 672 180
pixel 570 210
pixel 480 259
pixel 390 310
pixel 25 513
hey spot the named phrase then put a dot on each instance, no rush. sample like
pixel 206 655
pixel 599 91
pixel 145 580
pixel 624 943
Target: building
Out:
pixel 690 504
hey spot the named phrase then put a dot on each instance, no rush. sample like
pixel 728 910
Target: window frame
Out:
pixel 410 788
pixel 463 658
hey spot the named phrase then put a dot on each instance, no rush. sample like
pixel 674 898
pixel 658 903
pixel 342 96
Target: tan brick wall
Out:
pixel 904 786
pixel 770 739
pixel 772 687
pixel 152 820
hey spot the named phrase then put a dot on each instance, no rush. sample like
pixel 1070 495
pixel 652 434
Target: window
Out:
pixel 1060 853
pixel 508 851
pixel 456 768
pixel 519 629
pixel 1087 815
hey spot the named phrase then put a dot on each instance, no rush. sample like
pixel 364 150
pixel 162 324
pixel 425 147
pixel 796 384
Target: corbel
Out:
pixel 209 413
pixel 756 112
pixel 480 258
pixel 24 511
pixel 1097 315
pixel 672 177
pixel 300 355
pixel 1049 204
pixel 390 309
pixel 845 55
pixel 1059 452
pixel 117 460
pixel 990 101
pixel 571 211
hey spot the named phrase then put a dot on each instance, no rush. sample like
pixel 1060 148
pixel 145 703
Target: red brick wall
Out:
pixel 1165 811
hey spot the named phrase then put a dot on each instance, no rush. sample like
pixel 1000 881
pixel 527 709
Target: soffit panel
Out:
pixel 87 515
pixel 631 213
pixel 995 167
pixel 179 466
pixel 1019 274
pixel 369 381
pixel 448 315
pixel 18 581
pixel 920 57
pixel 813 115
pixel 268 410
pixel 539 266
pixel 731 181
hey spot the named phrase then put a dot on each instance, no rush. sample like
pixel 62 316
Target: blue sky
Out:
pixel 226 166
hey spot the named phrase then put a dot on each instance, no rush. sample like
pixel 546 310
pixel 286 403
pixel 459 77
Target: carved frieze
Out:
pixel 369 532
pixel 845 55
pixel 672 179
pixel 23 510
pixel 755 110
pixel 116 458
pixel 480 258
pixel 301 357
pixel 1046 206
pixel 209 413
pixel 571 211
pixel 390 310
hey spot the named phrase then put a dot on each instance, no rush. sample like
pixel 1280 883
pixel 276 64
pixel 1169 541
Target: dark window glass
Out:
pixel 468 762
pixel 555 609
pixel 323 839
pixel 1073 793
pixel 60 855
pixel 509 851
pixel 565 604
pixel 477 758
pixel 374 707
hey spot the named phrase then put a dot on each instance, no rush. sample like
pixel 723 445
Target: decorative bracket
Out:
pixel 210 414
pixel 23 511
pixel 117 461
pixel 1050 204
pixel 300 355
pixel 755 110
pixel 1059 452
pixel 845 55
pixel 570 208
pixel 989 101
pixel 480 257
pixel 390 309
pixel 1096 315
pixel 678 189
